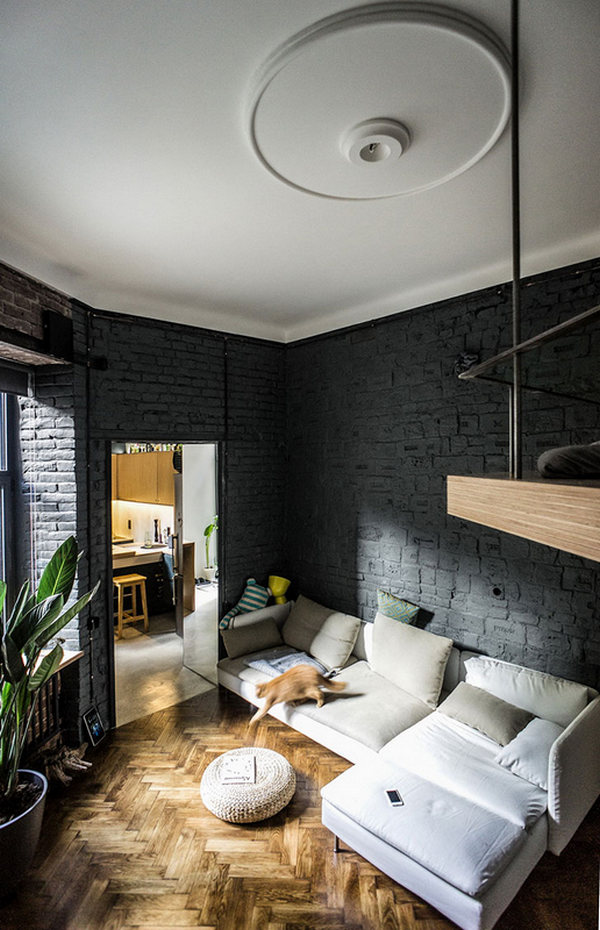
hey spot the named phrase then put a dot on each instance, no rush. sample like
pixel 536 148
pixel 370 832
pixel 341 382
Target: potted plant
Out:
pixel 29 656
pixel 210 569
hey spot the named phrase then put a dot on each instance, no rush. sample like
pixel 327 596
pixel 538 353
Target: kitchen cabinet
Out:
pixel 145 477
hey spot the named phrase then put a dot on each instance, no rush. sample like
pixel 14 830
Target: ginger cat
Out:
pixel 297 684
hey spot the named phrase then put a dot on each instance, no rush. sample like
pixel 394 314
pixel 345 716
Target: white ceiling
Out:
pixel 128 177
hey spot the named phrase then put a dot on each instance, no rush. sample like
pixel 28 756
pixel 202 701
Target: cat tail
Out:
pixel 335 685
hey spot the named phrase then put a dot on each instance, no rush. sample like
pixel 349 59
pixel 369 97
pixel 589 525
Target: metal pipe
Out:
pixel 534 342
pixel 516 466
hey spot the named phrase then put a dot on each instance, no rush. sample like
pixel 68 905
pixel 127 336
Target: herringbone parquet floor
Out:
pixel 130 845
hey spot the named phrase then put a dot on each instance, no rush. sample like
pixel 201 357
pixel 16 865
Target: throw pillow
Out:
pixel 412 659
pixel 483 711
pixel 544 695
pixel 326 634
pixel 245 639
pixel 253 598
pixel 528 753
pixel 395 607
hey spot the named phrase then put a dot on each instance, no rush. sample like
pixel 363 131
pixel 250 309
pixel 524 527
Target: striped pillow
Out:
pixel 253 598
pixel 395 608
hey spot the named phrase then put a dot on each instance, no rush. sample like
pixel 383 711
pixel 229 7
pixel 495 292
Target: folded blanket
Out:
pixel 570 462
pixel 277 665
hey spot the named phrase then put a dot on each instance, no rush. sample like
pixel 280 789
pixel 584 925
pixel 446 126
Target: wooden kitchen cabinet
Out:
pixel 165 493
pixel 145 477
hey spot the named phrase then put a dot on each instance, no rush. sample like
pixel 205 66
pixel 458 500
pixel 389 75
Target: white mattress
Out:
pixel 463 843
pixel 460 759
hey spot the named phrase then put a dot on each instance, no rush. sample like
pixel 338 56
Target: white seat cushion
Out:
pixel 371 710
pixel 462 760
pixel 466 845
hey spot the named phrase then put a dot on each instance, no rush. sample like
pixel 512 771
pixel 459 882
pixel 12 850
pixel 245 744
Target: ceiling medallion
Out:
pixel 380 101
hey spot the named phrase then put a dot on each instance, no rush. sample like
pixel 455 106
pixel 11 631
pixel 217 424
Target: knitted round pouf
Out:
pixel 244 803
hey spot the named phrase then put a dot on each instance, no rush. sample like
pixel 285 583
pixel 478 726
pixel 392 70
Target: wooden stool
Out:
pixel 128 586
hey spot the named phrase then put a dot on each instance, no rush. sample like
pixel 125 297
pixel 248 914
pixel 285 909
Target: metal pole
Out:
pixel 515 393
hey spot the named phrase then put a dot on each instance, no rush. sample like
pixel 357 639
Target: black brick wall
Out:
pixel 165 382
pixel 351 468
pixel 376 420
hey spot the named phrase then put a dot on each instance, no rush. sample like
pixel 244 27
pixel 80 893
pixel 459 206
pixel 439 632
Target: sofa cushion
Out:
pixel 395 607
pixel 544 695
pixel 461 760
pixel 277 612
pixel 239 641
pixel 410 658
pixel 326 634
pixel 528 753
pixel 466 845
pixel 371 709
pixel 485 712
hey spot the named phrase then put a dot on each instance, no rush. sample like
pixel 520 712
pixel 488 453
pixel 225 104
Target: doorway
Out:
pixel 164 496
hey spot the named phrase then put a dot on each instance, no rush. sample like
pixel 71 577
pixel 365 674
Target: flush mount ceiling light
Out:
pixel 381 100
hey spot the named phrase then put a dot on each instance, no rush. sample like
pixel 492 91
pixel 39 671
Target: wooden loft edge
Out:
pixel 564 514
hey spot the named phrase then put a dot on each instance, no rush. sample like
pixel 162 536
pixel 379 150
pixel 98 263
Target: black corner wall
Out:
pixel 376 421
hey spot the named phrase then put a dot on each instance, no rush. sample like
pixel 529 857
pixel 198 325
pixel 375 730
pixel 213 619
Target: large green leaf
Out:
pixel 54 628
pixel 19 607
pixel 36 620
pixel 11 662
pixel 2 595
pixel 46 668
pixel 59 574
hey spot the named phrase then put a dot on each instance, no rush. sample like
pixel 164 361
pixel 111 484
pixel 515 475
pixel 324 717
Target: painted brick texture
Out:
pixel 176 383
pixel 334 456
pixel 22 300
pixel 376 420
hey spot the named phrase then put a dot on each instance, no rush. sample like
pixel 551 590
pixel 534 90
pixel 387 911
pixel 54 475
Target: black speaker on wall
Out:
pixel 58 335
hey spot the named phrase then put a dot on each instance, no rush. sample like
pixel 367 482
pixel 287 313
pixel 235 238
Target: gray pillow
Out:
pixel 413 659
pixel 483 711
pixel 239 641
pixel 326 634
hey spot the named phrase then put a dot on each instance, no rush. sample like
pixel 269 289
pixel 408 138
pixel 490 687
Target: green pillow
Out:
pixel 395 607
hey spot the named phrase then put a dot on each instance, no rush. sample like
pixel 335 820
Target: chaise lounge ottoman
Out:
pixel 462 858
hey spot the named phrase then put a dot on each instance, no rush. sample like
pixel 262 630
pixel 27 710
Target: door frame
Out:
pixel 219 445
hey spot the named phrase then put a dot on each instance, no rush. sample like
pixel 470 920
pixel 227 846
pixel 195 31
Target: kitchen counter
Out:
pixel 131 554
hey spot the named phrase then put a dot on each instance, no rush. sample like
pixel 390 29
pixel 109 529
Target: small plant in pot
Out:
pixel 29 656
pixel 210 570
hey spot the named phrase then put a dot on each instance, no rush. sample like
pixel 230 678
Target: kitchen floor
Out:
pixel 150 672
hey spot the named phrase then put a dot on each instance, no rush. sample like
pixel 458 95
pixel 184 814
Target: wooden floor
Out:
pixel 130 845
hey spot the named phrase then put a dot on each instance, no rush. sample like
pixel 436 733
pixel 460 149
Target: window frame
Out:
pixel 9 484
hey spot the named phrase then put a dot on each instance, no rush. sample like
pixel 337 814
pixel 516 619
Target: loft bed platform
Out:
pixel 563 513
pixel 560 512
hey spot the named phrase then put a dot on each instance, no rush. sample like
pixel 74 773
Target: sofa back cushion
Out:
pixel 326 634
pixel 412 659
pixel 276 612
pixel 542 694
pixel 485 712
pixel 251 638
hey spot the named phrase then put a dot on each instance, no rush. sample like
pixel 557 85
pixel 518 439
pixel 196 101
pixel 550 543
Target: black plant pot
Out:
pixel 19 837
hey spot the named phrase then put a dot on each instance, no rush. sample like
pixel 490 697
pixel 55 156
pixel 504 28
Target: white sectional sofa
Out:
pixel 495 763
